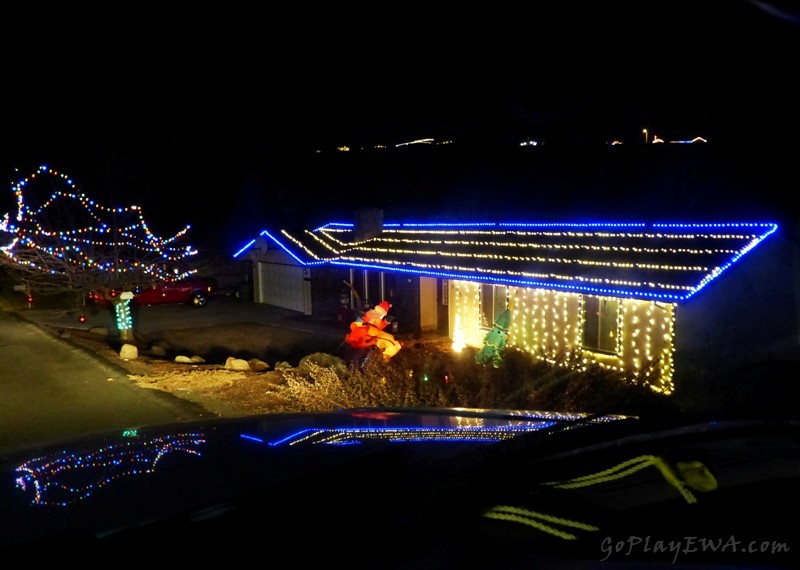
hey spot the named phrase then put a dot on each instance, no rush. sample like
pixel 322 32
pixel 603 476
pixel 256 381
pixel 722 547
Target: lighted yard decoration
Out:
pixel 61 240
pixel 367 332
pixel 581 294
pixel 495 341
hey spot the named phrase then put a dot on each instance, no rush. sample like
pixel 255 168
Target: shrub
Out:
pixel 320 388
pixel 430 376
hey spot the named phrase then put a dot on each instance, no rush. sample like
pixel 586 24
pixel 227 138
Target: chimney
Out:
pixel 368 224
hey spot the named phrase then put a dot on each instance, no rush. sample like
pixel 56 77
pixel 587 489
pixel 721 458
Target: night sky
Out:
pixel 229 121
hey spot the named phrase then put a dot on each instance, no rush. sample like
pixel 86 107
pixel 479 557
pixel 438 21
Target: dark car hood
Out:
pixel 97 485
pixel 432 488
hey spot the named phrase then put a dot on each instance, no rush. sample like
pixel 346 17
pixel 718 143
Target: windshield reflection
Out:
pixel 454 428
pixel 65 478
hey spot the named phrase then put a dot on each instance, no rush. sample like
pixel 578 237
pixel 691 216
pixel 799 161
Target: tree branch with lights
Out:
pixel 61 241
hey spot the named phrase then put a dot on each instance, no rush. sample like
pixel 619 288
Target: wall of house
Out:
pixel 328 289
pixel 549 325
pixel 748 319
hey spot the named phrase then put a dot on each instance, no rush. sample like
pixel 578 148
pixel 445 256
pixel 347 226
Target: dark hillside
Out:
pixel 656 182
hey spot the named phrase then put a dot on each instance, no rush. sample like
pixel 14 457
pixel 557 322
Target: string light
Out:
pixel 95 231
pixel 547 271
pixel 65 478
pixel 670 262
pixel 122 312
pixel 465 430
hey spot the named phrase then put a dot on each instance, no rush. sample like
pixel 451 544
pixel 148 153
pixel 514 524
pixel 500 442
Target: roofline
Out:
pixel 770 228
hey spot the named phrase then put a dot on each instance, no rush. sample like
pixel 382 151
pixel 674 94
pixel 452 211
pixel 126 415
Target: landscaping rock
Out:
pixel 323 360
pixel 129 352
pixel 236 364
pixel 257 365
pixel 158 350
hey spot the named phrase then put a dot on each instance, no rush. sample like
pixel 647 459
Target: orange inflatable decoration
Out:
pixel 369 332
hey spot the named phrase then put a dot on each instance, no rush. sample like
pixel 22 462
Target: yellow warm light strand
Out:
pixel 299 244
pixel 433 243
pixel 553 322
pixel 529 259
pixel 546 246
pixel 516 274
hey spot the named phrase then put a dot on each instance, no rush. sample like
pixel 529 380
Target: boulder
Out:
pixel 129 352
pixel 158 350
pixel 236 364
pixel 257 365
pixel 323 360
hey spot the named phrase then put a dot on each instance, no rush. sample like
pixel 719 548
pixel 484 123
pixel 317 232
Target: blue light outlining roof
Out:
pixel 652 261
pixel 572 225
pixel 279 243
pixel 244 248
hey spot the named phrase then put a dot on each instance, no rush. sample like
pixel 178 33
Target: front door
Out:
pixel 428 307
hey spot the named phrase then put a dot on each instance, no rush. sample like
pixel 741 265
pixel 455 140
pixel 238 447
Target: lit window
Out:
pixel 600 323
pixel 494 300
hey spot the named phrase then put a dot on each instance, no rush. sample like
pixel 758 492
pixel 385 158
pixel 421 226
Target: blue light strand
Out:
pixel 481 278
pixel 283 247
pixel 244 248
pixel 573 224
pixel 581 288
pixel 755 242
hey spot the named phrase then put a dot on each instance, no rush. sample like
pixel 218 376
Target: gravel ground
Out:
pixel 224 392
pixel 217 332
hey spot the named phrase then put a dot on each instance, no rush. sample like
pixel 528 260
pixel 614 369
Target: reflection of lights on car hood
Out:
pixel 349 436
pixel 464 429
pixel 65 478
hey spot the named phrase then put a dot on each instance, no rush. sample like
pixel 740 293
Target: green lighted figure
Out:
pixel 495 341
pixel 122 310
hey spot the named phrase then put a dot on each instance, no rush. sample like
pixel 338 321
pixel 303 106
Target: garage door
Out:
pixel 284 286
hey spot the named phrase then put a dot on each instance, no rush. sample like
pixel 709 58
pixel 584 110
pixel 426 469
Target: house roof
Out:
pixel 658 261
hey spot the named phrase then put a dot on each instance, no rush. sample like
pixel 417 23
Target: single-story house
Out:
pixel 633 297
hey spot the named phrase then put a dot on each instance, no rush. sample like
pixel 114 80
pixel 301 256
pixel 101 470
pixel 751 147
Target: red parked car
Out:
pixel 195 291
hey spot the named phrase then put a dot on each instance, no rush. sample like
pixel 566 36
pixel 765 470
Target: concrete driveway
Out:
pixel 51 391
pixel 61 379
pixel 220 311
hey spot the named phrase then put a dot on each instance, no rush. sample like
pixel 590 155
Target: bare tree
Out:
pixel 61 241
